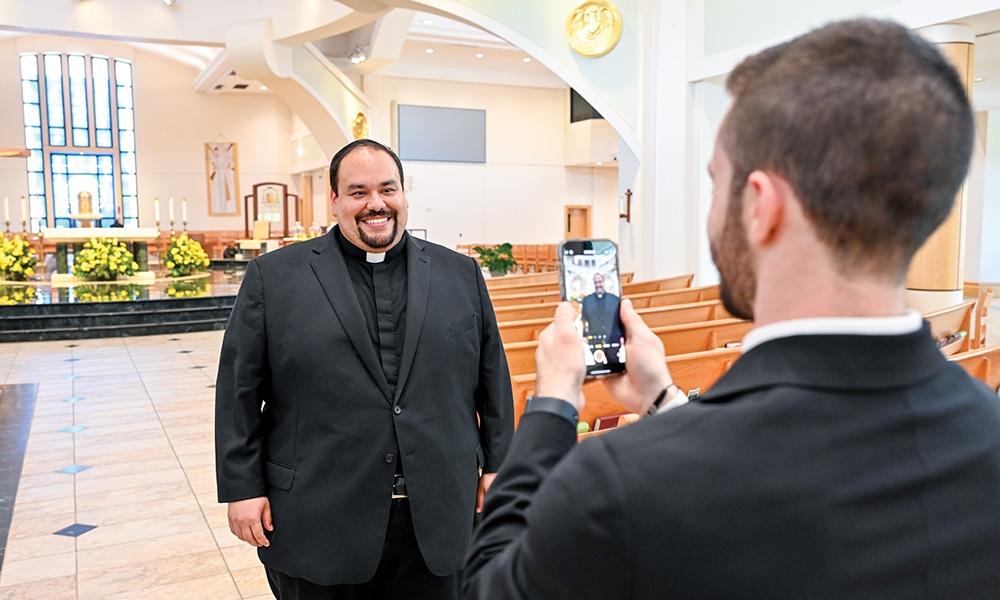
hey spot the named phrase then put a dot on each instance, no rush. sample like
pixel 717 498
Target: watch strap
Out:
pixel 556 406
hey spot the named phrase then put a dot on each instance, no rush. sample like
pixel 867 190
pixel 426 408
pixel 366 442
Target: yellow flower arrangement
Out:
pixel 105 293
pixel 104 259
pixel 185 256
pixel 17 258
pixel 16 294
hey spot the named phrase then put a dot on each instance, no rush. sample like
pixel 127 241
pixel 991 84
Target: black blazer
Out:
pixel 322 450
pixel 817 467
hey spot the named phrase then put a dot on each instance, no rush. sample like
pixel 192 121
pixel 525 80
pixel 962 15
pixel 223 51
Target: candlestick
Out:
pixel 184 209
pixel 156 211
pixel 171 210
pixel 24 209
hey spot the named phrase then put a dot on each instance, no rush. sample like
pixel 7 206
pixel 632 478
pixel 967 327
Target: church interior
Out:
pixel 184 137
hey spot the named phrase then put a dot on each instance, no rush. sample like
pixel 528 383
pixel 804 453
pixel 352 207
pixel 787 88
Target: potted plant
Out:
pixel 497 259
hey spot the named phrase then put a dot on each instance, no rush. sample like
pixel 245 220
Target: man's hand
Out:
pixel 559 359
pixel 485 481
pixel 646 372
pixel 246 517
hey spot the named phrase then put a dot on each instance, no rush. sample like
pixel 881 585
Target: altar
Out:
pixel 137 237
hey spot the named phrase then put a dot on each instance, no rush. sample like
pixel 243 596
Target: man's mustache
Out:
pixel 376 213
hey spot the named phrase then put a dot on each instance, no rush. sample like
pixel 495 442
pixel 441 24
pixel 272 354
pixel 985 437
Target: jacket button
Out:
pixel 389 458
pixel 397 409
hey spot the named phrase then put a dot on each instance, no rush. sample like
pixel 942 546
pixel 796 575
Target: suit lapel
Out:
pixel 418 286
pixel 331 270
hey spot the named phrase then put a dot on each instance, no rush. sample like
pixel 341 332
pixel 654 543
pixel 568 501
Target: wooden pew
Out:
pixel 978 332
pixel 516 279
pixel 656 285
pixel 530 294
pixel 951 320
pixel 710 310
pixel 693 371
pixel 546 310
pixel 677 339
pixel 983 364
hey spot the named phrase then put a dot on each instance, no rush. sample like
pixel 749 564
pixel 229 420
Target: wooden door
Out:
pixel 306 201
pixel 577 222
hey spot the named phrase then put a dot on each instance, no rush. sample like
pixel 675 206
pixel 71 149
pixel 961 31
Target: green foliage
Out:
pixel 498 259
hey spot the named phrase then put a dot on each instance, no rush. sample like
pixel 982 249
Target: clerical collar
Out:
pixel 370 257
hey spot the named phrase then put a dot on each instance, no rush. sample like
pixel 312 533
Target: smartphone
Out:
pixel 588 277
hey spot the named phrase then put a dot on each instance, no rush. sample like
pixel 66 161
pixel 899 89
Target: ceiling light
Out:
pixel 429 51
pixel 428 22
pixel 526 59
pixel 169 2
pixel 357 55
pixel 599 163
pixel 299 151
pixel 263 88
pixel 479 54
pixel 978 79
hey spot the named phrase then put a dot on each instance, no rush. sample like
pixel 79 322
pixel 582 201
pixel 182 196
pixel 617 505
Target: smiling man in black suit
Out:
pixel 842 456
pixel 362 389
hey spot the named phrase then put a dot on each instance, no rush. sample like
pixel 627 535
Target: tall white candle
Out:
pixel 24 209
pixel 156 209
pixel 170 210
pixel 6 209
pixel 184 209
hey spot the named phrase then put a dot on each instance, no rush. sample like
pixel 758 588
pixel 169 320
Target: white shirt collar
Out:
pixel 910 322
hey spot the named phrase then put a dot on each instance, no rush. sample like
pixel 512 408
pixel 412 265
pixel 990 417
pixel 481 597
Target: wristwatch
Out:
pixel 556 406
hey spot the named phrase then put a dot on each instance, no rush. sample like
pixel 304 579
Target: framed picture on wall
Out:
pixel 222 167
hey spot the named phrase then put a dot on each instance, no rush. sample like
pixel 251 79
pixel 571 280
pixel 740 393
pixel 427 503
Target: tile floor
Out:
pixel 147 409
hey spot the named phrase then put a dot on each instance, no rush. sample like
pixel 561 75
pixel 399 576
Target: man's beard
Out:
pixel 377 242
pixel 731 255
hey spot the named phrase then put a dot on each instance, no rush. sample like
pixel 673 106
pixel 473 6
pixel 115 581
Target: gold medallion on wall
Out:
pixel 593 28
pixel 359 126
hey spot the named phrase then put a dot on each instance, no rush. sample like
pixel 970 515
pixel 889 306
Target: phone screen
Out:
pixel 588 277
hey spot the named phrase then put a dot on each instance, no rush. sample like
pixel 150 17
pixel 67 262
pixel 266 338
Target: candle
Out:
pixel 170 210
pixel 156 209
pixel 6 209
pixel 24 209
pixel 184 209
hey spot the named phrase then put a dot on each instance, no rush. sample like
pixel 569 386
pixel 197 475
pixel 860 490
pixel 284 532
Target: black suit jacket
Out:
pixel 598 324
pixel 817 467
pixel 322 449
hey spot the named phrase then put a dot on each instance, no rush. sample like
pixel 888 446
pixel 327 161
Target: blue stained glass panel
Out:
pixel 33 138
pixel 103 138
pixel 32 115
pixel 29 91
pixel 29 66
pixel 123 73
pixel 57 137
pixel 81 137
pixel 126 141
pixel 125 119
pixel 35 161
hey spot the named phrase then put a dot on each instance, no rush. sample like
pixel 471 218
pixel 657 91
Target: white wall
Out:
pixel 173 123
pixel 519 194
pixel 989 244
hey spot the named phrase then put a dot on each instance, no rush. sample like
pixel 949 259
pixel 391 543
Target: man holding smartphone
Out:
pixel 842 456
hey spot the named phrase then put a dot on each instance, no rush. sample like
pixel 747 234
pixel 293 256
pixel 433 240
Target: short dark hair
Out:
pixel 870 125
pixel 366 143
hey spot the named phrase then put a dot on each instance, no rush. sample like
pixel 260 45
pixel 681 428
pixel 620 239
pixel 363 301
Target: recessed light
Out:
pixel 168 2
pixel 599 163
pixel 428 22
pixel 263 88
pixel 429 51
pixel 479 54
pixel 526 59
pixel 978 79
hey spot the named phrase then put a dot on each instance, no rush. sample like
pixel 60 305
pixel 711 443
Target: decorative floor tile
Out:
pixel 73 429
pixel 73 469
pixel 75 530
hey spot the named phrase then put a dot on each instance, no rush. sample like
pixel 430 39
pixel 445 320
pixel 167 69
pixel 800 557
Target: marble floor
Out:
pixel 121 440
pixel 135 414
